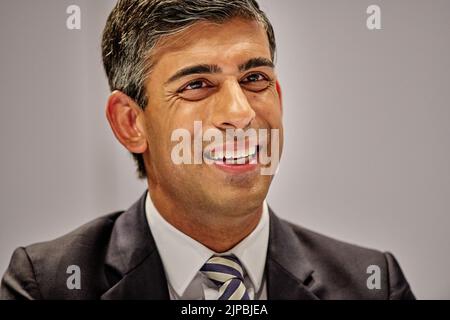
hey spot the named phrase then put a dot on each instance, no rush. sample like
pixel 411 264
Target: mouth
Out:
pixel 234 157
pixel 234 161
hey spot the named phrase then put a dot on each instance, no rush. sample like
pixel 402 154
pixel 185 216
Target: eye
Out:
pixel 196 90
pixel 254 77
pixel 195 85
pixel 255 82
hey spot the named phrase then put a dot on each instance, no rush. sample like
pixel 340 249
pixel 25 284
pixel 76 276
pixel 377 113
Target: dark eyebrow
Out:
pixel 212 68
pixel 256 62
pixel 197 69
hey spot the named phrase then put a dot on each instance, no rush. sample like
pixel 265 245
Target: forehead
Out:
pixel 209 42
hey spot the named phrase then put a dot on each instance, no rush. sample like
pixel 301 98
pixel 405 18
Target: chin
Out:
pixel 239 199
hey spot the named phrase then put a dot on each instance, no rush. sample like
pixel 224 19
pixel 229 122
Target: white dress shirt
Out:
pixel 183 257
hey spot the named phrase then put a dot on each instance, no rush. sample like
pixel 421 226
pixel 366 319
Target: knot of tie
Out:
pixel 227 273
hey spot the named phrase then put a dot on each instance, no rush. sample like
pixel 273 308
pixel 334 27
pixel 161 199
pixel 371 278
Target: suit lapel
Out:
pixel 288 271
pixel 133 266
pixel 135 271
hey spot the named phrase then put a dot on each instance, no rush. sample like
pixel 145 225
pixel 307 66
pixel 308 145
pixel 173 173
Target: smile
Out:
pixel 234 157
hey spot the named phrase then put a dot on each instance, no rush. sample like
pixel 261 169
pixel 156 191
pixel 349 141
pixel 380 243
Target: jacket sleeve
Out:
pixel 19 281
pixel 398 285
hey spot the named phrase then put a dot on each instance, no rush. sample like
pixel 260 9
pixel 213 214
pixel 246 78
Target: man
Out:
pixel 203 230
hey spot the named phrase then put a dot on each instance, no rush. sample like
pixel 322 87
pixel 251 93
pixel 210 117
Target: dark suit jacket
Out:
pixel 118 259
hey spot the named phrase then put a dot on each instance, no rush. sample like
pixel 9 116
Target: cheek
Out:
pixel 175 120
pixel 159 140
pixel 268 107
pixel 268 110
pixel 179 132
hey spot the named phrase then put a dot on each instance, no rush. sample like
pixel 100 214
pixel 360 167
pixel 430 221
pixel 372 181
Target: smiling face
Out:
pixel 223 76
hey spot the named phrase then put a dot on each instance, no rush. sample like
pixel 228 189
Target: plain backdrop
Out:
pixel 366 113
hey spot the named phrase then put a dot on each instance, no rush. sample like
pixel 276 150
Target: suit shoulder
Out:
pixel 41 269
pixel 89 235
pixel 341 269
pixel 346 268
pixel 335 247
pixel 84 247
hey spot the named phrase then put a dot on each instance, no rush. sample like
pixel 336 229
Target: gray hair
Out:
pixel 134 27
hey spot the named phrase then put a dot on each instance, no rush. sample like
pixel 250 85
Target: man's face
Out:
pixel 233 86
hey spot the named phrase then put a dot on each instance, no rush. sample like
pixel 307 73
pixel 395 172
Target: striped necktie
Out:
pixel 227 272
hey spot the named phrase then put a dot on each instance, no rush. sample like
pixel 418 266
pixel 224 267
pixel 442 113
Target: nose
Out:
pixel 233 110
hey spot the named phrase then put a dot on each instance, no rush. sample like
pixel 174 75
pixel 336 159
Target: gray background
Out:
pixel 367 120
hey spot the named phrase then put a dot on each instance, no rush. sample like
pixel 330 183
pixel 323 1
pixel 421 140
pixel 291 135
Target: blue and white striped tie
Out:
pixel 227 272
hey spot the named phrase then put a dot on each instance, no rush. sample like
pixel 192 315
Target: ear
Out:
pixel 126 120
pixel 280 94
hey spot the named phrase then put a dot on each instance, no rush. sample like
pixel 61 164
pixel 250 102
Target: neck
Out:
pixel 219 232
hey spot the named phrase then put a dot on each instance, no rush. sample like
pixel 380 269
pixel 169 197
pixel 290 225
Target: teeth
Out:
pixel 252 150
pixel 230 155
pixel 218 155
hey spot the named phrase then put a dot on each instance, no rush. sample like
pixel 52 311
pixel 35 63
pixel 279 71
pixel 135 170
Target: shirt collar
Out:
pixel 182 256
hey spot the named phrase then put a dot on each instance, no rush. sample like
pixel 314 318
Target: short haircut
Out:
pixel 134 27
